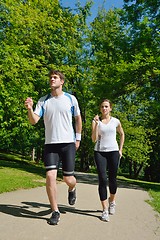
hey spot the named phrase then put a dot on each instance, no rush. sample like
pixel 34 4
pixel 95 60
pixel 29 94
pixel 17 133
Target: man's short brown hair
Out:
pixel 57 72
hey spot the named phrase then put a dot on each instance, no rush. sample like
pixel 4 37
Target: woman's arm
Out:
pixel 95 128
pixel 122 137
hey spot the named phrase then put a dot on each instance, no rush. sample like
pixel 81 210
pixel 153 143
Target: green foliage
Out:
pixel 35 36
pixel 116 57
pixel 125 69
pixel 155 203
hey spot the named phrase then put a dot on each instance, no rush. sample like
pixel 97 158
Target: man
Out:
pixel 61 142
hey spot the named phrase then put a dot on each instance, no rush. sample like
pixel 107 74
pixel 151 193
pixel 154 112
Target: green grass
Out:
pixel 17 173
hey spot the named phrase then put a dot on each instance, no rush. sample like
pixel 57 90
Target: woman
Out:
pixel 107 155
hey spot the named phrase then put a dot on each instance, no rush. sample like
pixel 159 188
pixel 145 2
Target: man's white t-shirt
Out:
pixel 57 114
pixel 107 136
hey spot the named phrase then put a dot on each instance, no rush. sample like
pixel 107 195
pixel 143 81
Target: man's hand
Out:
pixel 29 103
pixel 77 143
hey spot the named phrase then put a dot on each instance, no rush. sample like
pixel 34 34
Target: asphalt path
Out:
pixel 24 214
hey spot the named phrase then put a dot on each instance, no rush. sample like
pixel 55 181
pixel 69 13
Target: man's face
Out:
pixel 55 81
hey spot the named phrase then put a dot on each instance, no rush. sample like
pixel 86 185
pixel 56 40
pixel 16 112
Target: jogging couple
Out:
pixel 61 143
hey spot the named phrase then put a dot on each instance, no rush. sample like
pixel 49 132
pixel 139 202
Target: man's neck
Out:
pixel 56 92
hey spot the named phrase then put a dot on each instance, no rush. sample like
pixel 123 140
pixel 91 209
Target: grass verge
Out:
pixel 17 173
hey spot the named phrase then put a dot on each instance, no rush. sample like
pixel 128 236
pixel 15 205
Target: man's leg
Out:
pixel 71 182
pixel 68 165
pixel 51 188
pixel 51 162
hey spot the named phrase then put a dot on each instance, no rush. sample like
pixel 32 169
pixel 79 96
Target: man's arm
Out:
pixel 78 127
pixel 33 118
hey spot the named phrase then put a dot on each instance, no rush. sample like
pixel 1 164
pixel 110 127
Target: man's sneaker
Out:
pixel 54 218
pixel 105 216
pixel 111 208
pixel 72 197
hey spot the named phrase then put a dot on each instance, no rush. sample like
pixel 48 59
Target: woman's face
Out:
pixel 105 108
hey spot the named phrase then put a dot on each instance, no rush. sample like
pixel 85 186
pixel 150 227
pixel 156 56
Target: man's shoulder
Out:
pixel 45 97
pixel 70 96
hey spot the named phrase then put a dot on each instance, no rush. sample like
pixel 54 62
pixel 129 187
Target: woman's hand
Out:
pixel 96 119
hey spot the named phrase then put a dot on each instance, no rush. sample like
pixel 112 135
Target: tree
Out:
pixel 122 71
pixel 143 18
pixel 117 57
pixel 35 36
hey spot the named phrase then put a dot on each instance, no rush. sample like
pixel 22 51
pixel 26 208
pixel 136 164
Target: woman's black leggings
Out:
pixel 107 161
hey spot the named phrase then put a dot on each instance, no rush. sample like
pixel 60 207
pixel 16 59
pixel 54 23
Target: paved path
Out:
pixel 24 214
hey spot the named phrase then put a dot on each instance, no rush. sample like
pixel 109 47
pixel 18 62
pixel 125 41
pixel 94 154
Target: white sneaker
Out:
pixel 112 208
pixel 105 216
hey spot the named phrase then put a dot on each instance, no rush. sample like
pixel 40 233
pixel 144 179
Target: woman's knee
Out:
pixel 102 181
pixel 113 187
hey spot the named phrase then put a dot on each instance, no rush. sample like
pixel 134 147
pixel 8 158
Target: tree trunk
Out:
pixel 130 168
pixel 33 154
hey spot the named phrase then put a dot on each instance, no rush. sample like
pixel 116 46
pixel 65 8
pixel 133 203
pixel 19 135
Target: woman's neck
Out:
pixel 107 117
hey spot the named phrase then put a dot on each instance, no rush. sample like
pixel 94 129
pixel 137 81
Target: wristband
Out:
pixel 78 136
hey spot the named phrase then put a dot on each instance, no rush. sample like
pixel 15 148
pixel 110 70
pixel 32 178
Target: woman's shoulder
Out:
pixel 115 120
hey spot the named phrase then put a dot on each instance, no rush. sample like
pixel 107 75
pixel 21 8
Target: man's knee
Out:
pixel 69 180
pixel 51 174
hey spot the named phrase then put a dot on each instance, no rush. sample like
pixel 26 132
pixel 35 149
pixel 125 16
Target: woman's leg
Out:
pixel 113 163
pixel 101 165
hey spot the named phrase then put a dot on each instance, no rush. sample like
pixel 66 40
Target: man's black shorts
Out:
pixel 64 152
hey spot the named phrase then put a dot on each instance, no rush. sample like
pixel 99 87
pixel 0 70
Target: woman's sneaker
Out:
pixel 112 207
pixel 72 197
pixel 105 216
pixel 54 220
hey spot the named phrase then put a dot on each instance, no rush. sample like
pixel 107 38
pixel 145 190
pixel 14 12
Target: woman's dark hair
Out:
pixel 106 100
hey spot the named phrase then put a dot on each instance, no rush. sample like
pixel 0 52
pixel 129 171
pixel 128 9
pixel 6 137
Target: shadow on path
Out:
pixel 26 210
pixel 87 178
pixel 91 213
pixel 91 178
